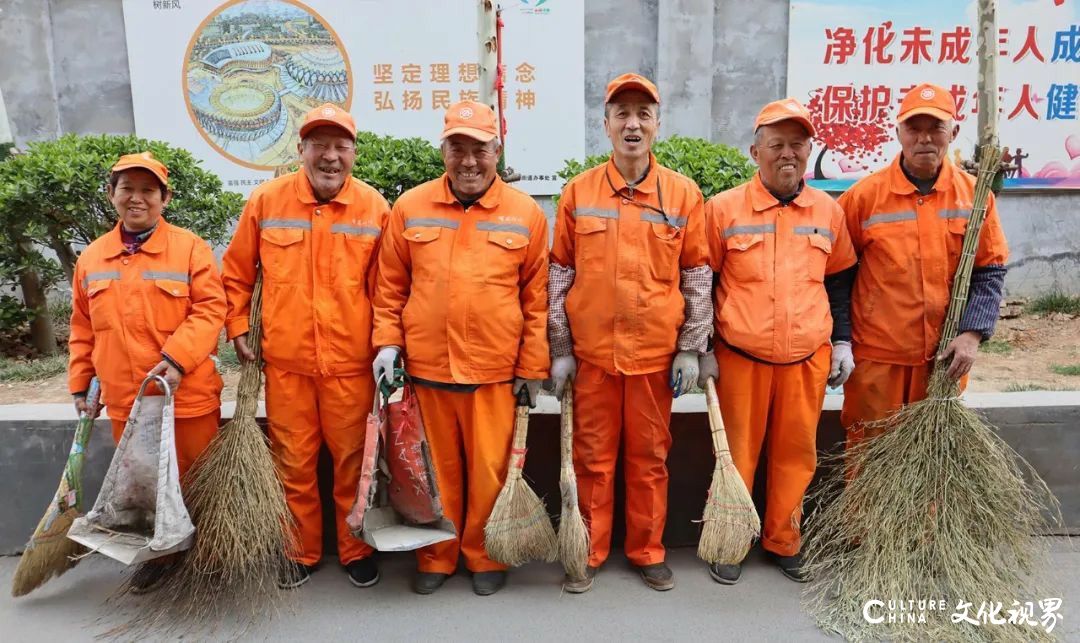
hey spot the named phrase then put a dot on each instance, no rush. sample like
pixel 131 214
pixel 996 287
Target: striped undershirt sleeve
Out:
pixel 984 301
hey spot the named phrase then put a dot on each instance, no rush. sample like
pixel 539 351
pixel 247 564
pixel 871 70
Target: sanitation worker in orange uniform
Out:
pixel 313 234
pixel 785 266
pixel 147 300
pixel 629 315
pixel 462 300
pixel 907 222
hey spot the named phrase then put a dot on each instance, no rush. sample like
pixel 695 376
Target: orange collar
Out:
pixel 647 184
pixel 489 201
pixel 761 199
pixel 114 243
pixel 899 183
pixel 307 195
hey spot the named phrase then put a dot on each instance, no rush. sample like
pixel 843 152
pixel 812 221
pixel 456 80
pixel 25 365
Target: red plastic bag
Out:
pixel 414 493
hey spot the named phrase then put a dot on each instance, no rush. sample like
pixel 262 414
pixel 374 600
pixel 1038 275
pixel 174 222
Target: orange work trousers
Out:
pixel 304 412
pixel 192 437
pixel 469 434
pixel 636 409
pixel 776 408
pixel 876 389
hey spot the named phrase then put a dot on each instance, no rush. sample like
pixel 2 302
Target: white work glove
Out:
pixel 533 386
pixel 383 366
pixel 842 364
pixel 562 369
pixel 684 372
pixel 707 367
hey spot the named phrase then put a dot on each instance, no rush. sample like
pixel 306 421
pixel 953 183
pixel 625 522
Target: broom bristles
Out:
pixel 573 534
pixel 519 528
pixel 730 521
pixel 49 553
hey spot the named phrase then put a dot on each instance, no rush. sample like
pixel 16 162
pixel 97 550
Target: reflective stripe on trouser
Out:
pixel 192 437
pixel 875 389
pixel 469 435
pixel 637 409
pixel 303 413
pixel 775 408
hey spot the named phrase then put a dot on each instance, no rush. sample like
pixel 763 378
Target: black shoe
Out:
pixel 363 572
pixel 428 582
pixel 487 583
pixel 791 566
pixel 725 574
pixel 149 576
pixel 657 576
pixel 294 575
pixel 580 585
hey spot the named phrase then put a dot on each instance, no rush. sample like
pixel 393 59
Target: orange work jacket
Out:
pixel 318 261
pixel 909 247
pixel 128 309
pixel 625 308
pixel 464 292
pixel 772 260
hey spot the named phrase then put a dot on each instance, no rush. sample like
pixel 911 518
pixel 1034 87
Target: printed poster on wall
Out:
pixel 851 61
pixel 231 81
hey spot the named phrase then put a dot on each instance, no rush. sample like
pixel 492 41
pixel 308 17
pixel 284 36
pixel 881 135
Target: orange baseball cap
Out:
pixel 787 109
pixel 630 81
pixel 927 99
pixel 145 161
pixel 328 114
pixel 472 119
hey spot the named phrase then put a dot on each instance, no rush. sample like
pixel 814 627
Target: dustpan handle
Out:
pixel 160 381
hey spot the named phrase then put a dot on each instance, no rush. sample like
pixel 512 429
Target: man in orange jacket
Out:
pixel 629 298
pixel 147 300
pixel 785 266
pixel 314 234
pixel 907 222
pixel 462 297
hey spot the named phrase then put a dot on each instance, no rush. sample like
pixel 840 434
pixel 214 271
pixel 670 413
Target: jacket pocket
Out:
pixel 817 257
pixel 745 257
pixel 504 255
pixel 590 244
pixel 171 305
pixel 664 246
pixel 101 308
pixel 424 251
pixel 282 254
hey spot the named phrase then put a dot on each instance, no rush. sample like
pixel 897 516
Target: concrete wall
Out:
pixel 1041 426
pixel 64 69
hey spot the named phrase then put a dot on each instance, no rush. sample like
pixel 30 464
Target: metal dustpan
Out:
pixel 386 531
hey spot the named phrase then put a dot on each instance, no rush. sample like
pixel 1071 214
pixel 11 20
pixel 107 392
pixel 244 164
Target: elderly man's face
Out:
pixel 328 153
pixel 925 142
pixel 781 151
pixel 470 164
pixel 631 121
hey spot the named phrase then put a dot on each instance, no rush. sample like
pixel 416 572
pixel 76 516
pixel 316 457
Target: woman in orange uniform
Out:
pixel 147 299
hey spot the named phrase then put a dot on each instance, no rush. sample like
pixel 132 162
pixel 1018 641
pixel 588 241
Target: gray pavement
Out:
pixel 764 606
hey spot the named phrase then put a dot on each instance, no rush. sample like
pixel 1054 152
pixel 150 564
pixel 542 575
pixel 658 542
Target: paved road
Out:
pixel 763 607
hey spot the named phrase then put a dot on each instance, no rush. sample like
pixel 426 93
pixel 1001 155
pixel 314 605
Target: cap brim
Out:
pixel 632 85
pixel 802 120
pixel 319 122
pixel 471 132
pixel 138 166
pixel 936 112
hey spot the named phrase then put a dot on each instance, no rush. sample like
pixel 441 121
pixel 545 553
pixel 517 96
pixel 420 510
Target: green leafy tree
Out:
pixel 715 167
pixel 394 165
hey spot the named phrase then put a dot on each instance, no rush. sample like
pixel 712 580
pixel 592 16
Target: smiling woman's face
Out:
pixel 138 199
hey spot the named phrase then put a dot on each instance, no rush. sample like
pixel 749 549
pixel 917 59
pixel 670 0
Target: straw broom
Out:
pixel 237 503
pixel 573 536
pixel 936 507
pixel 731 523
pixel 519 529
pixel 50 552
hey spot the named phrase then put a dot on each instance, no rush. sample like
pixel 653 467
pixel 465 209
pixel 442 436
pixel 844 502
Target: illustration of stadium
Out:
pixel 253 68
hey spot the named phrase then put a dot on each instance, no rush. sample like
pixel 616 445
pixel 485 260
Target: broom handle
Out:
pixel 988 166
pixel 247 391
pixel 716 419
pixel 566 428
pixel 517 450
